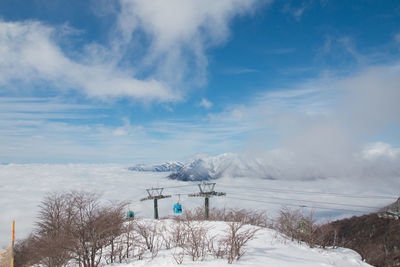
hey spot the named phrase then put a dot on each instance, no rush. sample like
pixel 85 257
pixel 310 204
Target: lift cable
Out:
pixel 313 201
pixel 294 205
pixel 277 190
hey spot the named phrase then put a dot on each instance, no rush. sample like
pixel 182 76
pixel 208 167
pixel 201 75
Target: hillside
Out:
pixel 376 239
pixel 268 248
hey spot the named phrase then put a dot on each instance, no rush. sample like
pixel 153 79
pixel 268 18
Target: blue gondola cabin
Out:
pixel 130 215
pixel 177 208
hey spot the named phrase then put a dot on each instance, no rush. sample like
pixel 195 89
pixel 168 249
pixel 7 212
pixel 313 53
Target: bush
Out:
pixel 235 240
pixel 297 226
pixel 149 236
pixel 247 216
pixel 197 240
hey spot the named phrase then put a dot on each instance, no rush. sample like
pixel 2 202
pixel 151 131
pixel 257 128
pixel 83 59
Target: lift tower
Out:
pixel 207 191
pixel 155 194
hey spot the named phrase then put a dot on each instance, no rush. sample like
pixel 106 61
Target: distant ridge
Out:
pixel 164 167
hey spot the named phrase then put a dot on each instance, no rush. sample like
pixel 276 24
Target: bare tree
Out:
pixel 114 216
pixel 197 240
pixel 130 240
pixel 235 240
pixel 72 227
pixel 178 233
pixel 25 252
pixel 298 226
pixel 253 217
pixel 149 233
pixel 53 242
pixel 308 233
pixel 92 226
pixel 178 254
pixel 288 221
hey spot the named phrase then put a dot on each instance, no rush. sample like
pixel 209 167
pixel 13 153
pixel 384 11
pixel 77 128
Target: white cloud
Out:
pixel 380 150
pixel 205 103
pixel 179 32
pixel 296 12
pixel 342 48
pixel 397 37
pixel 30 54
pixel 120 131
pixel 237 71
pixel 371 101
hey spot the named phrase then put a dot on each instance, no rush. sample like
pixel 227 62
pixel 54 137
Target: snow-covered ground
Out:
pixel 268 248
pixel 23 186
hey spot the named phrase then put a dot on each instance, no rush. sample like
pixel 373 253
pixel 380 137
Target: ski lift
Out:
pixel 130 215
pixel 177 206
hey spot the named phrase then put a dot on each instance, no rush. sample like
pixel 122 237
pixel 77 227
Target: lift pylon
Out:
pixel 155 194
pixel 207 191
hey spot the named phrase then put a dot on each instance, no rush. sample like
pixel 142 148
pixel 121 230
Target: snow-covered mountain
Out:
pixel 227 164
pixel 164 167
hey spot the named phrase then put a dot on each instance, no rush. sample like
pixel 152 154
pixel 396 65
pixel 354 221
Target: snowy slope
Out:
pixel 269 248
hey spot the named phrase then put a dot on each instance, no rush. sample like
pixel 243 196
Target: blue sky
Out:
pixel 148 81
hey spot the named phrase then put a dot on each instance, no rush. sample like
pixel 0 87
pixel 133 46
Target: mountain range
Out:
pixel 376 160
pixel 213 167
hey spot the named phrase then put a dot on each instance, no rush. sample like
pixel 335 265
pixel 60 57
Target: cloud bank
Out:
pixel 330 126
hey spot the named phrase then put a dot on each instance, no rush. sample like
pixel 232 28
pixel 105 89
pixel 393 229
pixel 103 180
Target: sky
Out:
pixel 134 81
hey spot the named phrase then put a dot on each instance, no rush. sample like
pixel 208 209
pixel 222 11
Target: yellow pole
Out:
pixel 12 244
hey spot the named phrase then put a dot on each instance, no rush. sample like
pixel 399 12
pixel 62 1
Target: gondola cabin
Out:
pixel 130 215
pixel 178 208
